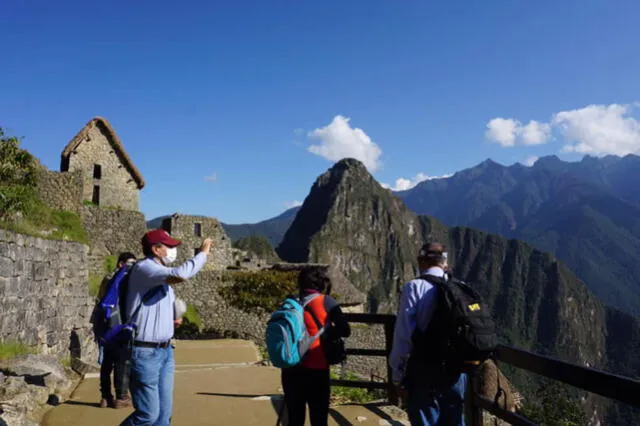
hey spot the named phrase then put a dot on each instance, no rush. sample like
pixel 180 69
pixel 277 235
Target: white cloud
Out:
pixel 502 131
pixel 530 161
pixel 292 204
pixel 213 177
pixel 402 184
pixel 507 132
pixel 594 129
pixel 339 140
pixel 599 129
pixel 535 133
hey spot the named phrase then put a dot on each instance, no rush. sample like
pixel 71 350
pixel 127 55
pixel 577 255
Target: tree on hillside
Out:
pixel 554 406
pixel 18 177
pixel 259 246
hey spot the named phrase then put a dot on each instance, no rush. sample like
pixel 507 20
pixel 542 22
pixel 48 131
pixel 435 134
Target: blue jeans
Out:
pixel 151 387
pixel 427 407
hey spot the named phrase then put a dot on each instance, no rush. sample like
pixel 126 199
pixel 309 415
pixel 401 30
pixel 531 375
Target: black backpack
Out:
pixel 462 333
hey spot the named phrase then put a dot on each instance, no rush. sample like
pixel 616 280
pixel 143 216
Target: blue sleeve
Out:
pixel 189 268
pixel 416 308
pixel 152 273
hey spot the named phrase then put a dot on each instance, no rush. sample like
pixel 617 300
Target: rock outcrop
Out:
pixel 349 221
pixel 28 382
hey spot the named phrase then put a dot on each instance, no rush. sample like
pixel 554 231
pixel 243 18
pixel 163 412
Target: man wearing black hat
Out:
pixel 152 362
pixel 431 399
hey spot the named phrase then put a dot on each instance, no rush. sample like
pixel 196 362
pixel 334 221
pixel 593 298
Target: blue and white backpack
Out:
pixel 287 337
pixel 111 325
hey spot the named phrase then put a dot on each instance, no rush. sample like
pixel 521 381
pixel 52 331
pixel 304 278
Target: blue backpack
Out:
pixel 111 325
pixel 287 337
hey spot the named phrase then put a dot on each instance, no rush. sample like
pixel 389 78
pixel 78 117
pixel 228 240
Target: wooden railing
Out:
pixel 608 385
pixel 389 322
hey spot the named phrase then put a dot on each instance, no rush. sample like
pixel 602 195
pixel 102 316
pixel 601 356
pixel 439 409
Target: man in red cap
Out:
pixel 149 304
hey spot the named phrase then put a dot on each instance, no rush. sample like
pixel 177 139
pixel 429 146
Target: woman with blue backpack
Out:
pixel 306 354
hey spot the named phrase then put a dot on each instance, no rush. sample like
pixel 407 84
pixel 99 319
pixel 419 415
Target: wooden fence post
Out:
pixel 473 413
pixel 389 327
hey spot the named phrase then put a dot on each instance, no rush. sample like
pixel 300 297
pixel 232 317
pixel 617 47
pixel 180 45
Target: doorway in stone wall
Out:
pixel 95 198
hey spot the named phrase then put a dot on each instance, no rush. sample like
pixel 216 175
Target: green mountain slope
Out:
pixel 259 246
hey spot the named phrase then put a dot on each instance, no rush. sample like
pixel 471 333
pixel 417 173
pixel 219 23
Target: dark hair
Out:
pixel 314 278
pixel 431 253
pixel 125 256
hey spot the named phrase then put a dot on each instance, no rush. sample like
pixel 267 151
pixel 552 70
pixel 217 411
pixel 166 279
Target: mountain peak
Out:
pixel 350 163
pixel 549 161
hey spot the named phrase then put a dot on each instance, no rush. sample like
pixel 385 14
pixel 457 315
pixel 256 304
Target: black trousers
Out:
pixel 115 359
pixel 304 386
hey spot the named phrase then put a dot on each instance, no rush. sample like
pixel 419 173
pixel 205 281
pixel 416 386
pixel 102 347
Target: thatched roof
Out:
pixel 115 142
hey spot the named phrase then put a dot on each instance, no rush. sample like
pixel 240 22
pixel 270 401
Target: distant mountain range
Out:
pixel 273 229
pixel 587 213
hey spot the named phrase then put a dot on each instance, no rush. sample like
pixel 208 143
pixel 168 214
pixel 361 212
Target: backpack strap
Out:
pixel 433 279
pixel 315 318
pixel 147 296
pixel 305 307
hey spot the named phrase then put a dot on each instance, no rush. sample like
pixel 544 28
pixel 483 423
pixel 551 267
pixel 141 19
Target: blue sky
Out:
pixel 264 96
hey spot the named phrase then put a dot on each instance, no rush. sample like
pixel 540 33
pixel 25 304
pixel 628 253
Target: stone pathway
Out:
pixel 217 383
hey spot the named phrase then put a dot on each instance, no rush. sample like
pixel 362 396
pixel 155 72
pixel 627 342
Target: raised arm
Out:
pixel 191 267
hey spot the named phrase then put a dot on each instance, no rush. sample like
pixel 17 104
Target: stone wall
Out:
pixel 216 314
pixel 192 230
pixel 44 295
pixel 225 320
pixel 116 185
pixel 111 232
pixel 62 191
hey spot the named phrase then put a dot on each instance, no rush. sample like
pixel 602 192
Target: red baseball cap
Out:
pixel 159 236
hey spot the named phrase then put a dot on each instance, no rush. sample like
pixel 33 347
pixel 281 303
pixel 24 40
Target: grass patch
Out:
pixel 21 208
pixel 346 395
pixel 95 281
pixel 192 316
pixel 110 263
pixel 259 291
pixel 66 361
pixel 49 224
pixel 9 350
pixel 264 355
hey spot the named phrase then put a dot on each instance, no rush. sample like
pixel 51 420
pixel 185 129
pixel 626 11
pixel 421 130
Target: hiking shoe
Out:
pixel 122 403
pixel 106 402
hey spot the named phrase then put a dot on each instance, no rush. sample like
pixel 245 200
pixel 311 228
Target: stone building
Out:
pixel 192 230
pixel 110 179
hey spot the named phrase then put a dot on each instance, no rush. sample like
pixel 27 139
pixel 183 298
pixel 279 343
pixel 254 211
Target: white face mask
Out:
pixel 172 253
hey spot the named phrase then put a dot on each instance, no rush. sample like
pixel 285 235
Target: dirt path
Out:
pixel 217 383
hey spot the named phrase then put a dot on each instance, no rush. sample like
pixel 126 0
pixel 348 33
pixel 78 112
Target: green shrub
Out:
pixel 21 209
pixel 259 291
pixel 11 349
pixel 192 316
pixel 191 324
pixel 94 284
pixel 110 263
pixel 17 166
